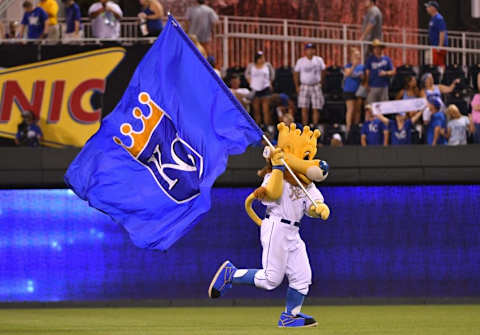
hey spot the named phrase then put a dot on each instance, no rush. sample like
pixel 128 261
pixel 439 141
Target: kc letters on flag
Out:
pixel 155 158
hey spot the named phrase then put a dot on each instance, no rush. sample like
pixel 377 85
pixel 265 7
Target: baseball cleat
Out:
pixel 222 281
pixel 296 321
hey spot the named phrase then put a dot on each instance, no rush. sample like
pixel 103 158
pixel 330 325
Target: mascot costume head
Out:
pixel 298 148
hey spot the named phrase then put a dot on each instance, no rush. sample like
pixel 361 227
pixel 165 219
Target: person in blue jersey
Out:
pixel 379 69
pixel 438 122
pixel 400 129
pixel 437 33
pixel 152 12
pixel 35 19
pixel 374 131
pixel 354 73
pixel 72 20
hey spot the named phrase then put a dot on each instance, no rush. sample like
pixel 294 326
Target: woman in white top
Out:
pixel 260 76
pixel 458 126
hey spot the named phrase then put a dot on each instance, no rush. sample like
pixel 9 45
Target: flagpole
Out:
pixel 291 171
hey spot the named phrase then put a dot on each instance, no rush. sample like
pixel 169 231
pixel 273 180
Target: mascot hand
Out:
pixel 321 210
pixel 277 156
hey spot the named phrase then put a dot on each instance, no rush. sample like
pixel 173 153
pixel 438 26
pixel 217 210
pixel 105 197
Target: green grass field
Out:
pixel 335 320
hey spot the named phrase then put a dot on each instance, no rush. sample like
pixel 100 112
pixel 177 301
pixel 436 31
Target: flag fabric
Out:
pixel 152 163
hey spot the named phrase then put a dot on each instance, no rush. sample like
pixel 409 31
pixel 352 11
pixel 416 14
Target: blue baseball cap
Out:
pixel 433 4
pixel 435 101
pixel 309 46
pixel 284 98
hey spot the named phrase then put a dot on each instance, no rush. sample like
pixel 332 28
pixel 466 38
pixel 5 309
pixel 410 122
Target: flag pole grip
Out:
pixel 289 169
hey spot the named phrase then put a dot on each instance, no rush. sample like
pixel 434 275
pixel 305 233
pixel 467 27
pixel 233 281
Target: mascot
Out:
pixel 284 252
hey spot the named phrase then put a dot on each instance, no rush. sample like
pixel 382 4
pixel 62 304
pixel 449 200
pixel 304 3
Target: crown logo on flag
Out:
pixel 139 139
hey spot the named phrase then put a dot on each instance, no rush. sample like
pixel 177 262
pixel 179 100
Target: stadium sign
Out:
pixel 60 92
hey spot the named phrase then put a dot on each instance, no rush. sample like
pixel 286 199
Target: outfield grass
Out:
pixel 335 320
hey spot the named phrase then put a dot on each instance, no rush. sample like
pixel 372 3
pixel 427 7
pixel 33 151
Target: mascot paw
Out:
pixel 322 211
pixel 277 156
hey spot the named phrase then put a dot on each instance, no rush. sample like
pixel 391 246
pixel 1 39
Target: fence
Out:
pixel 238 38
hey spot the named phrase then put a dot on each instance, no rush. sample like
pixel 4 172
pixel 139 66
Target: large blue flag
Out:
pixel 155 158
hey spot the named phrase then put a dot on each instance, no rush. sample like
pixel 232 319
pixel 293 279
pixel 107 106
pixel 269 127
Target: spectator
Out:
pixel 282 104
pixel 354 73
pixel 260 76
pixel 105 17
pixel 29 133
pixel 476 118
pixel 152 13
pixel 51 8
pixel 374 131
pixel 201 20
pixel 438 123
pixel 242 94
pixel 372 24
pixel 400 129
pixel 213 62
pixel 308 82
pixel 437 33
pixel 35 20
pixel 458 126
pixel 410 90
pixel 72 20
pixel 336 140
pixel 198 45
pixel 379 69
pixel 429 89
pixel 12 30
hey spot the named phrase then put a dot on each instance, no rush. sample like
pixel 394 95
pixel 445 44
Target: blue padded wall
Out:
pixel 385 241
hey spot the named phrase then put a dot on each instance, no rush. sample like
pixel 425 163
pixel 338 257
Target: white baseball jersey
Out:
pixel 310 70
pixel 284 252
pixel 293 203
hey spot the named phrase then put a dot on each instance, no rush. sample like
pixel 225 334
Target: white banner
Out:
pixel 399 106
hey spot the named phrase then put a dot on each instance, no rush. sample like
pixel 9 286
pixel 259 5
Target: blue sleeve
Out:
pixel 440 24
pixel 37 129
pixel 78 14
pixel 390 64
pixel 365 128
pixel 43 15
pixel 25 20
pixel 368 64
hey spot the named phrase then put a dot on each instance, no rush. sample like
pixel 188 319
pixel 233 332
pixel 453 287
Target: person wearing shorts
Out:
pixel 260 76
pixel 379 69
pixel 353 73
pixel 308 81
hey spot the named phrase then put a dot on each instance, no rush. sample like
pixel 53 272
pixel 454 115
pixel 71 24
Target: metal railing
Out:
pixel 238 38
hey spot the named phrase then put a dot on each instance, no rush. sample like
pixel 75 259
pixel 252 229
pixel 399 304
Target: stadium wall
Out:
pixel 350 165
pixel 380 242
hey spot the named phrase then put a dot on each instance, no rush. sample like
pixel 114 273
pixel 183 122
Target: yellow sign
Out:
pixel 59 93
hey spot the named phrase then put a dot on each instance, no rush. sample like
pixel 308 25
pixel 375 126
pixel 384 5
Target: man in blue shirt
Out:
pixel 72 19
pixel 374 131
pixel 438 122
pixel 379 68
pixel 35 19
pixel 437 33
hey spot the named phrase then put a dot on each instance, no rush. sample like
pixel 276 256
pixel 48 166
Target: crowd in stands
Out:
pixel 337 100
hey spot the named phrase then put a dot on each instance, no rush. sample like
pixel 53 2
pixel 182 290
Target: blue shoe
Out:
pixel 222 281
pixel 299 321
